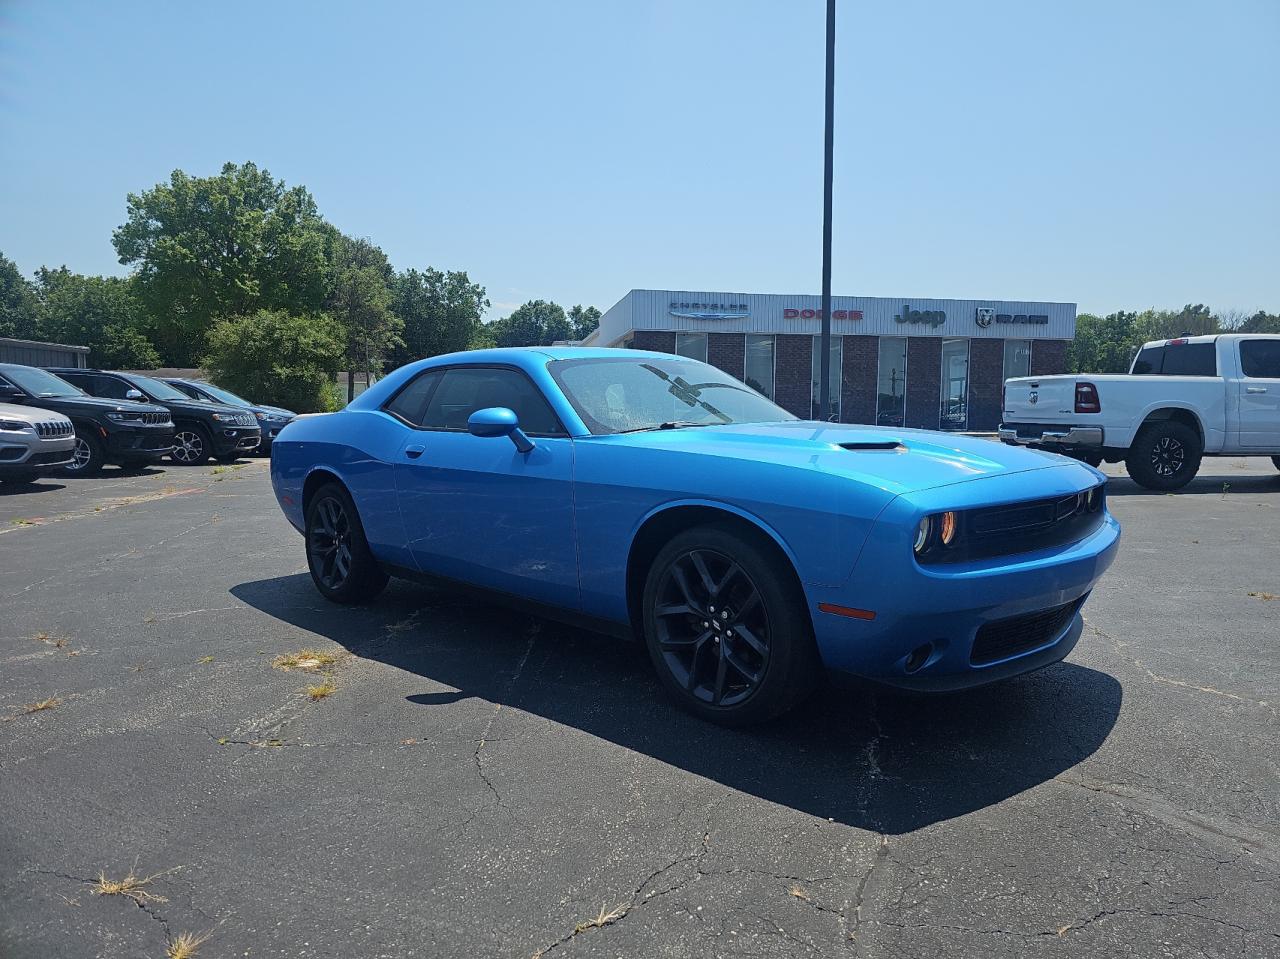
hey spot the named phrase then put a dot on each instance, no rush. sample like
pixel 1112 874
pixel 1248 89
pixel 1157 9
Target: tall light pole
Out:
pixel 824 367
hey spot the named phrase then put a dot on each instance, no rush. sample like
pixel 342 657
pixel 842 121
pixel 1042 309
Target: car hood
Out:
pixel 895 460
pixel 87 402
pixel 27 414
pixel 273 410
pixel 199 406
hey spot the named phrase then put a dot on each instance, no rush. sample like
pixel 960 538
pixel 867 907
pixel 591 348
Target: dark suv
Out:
pixel 107 431
pixel 201 429
pixel 272 419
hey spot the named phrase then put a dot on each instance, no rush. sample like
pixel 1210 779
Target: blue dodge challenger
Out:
pixel 652 495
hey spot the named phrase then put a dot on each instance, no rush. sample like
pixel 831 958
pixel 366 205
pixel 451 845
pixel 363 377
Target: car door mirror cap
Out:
pixel 135 395
pixel 499 421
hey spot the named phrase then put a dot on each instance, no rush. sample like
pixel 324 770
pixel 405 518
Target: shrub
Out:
pixel 275 357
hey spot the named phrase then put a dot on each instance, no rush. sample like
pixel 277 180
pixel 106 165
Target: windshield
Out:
pixel 39 383
pixel 226 396
pixel 157 389
pixel 626 395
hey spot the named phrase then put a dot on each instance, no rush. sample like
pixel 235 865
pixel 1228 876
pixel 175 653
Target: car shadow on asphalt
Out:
pixel 22 489
pixel 877 760
pixel 1201 485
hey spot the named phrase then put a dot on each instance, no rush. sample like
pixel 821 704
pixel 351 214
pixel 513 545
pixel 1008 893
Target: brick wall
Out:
pixel 924 375
pixel 793 387
pixel 858 374
pixel 727 351
pixel 986 376
pixel 1048 357
pixel 659 341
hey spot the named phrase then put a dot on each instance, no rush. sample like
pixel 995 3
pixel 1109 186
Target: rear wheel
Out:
pixel 191 446
pixel 342 566
pixel 1165 455
pixel 87 458
pixel 726 627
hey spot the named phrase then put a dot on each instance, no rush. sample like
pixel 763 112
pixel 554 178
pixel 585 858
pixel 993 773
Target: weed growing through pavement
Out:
pixel 1265 597
pixel 603 918
pixel 321 691
pixel 308 659
pixel 41 706
pixel 185 944
pixel 131 886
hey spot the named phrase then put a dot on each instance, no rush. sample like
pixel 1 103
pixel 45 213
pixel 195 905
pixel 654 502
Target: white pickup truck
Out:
pixel 1181 400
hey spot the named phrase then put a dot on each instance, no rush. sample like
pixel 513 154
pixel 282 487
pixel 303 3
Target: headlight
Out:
pixel 922 534
pixel 119 416
pixel 948 530
pixel 1093 499
pixel 15 426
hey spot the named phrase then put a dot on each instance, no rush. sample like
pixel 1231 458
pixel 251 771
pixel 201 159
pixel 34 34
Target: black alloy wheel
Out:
pixel 87 457
pixel 1165 455
pixel 726 626
pixel 338 555
pixel 190 447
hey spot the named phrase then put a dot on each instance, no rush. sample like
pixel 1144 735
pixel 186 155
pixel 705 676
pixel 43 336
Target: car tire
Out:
pixel 88 457
pixel 1165 456
pixel 1275 461
pixel 191 446
pixel 726 626
pixel 335 539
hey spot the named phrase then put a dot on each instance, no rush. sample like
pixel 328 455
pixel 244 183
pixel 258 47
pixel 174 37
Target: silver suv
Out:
pixel 33 442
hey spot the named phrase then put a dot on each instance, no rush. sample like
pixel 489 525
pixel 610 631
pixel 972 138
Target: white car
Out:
pixel 1182 399
pixel 33 442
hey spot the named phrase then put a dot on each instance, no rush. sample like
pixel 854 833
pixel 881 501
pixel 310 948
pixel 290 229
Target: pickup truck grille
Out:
pixel 1022 527
pixel 54 428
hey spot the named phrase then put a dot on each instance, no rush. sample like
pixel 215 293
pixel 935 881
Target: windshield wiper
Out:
pixel 669 425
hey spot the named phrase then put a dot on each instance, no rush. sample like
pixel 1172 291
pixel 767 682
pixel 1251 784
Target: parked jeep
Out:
pixel 272 419
pixel 33 442
pixel 201 429
pixel 106 431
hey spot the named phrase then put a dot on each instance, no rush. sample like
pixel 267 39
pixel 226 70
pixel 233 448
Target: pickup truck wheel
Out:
pixel 1165 456
pixel 726 628
pixel 338 555
pixel 87 458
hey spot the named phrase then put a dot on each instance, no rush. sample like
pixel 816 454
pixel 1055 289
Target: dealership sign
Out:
pixel 925 317
pixel 709 311
pixel 987 315
pixel 807 314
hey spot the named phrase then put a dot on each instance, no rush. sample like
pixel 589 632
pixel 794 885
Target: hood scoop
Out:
pixel 889 446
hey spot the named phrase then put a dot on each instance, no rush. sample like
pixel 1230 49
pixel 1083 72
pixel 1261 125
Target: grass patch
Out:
pixel 205 659
pixel 185 945
pixel 23 522
pixel 798 891
pixel 322 691
pixel 55 641
pixel 308 659
pixel 41 706
pixel 131 886
pixel 604 917
pixel 1265 597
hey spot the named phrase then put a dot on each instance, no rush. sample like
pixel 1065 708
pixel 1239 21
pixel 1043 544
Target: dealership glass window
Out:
pixel 833 394
pixel 1017 358
pixel 759 363
pixel 692 345
pixel 891 381
pixel 954 412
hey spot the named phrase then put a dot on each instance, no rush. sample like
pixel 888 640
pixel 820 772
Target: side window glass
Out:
pixel 462 391
pixel 1260 358
pixel 108 386
pixel 410 404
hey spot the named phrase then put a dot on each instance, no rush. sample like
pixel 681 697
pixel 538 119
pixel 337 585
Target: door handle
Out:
pixel 413 452
pixel 1255 389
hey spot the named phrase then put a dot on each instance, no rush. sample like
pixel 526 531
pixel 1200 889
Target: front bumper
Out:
pixel 146 444
pixel 933 624
pixel 1050 436
pixel 38 455
pixel 235 439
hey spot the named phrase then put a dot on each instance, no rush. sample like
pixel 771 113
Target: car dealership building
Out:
pixel 933 364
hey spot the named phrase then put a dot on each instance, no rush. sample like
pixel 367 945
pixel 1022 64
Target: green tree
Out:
pixel 536 323
pixel 584 321
pixel 19 306
pixel 441 312
pixel 1103 344
pixel 99 312
pixel 277 357
pixel 1191 320
pixel 1261 322
pixel 218 246
pixel 359 297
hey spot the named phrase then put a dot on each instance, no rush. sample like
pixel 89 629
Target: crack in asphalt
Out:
pixel 535 630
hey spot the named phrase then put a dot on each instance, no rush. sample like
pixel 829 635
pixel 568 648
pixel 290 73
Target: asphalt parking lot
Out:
pixel 469 781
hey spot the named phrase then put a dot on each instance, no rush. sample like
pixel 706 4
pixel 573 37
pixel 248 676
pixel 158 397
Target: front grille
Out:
pixel 1022 527
pixel 48 459
pixel 1005 638
pixel 156 419
pixel 54 428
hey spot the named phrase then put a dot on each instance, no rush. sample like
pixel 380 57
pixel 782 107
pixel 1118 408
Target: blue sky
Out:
pixel 1119 155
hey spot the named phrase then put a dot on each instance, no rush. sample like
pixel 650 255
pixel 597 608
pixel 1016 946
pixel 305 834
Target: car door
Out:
pixel 476 509
pixel 1259 390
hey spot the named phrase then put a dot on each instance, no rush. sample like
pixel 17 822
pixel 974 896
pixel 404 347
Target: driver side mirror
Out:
pixel 134 395
pixel 499 421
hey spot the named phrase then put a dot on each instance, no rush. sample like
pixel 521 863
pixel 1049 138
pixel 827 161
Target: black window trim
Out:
pixel 1240 353
pixel 562 434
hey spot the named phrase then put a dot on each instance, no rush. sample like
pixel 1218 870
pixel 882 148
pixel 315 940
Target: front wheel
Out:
pixel 338 555
pixel 1165 456
pixel 191 446
pixel 726 626
pixel 88 457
